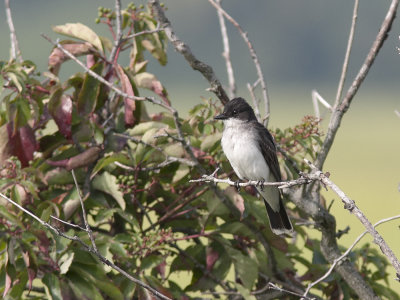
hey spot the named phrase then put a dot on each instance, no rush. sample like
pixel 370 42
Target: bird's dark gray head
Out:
pixel 239 109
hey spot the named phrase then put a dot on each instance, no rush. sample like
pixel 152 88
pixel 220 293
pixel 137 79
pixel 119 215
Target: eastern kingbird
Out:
pixel 250 149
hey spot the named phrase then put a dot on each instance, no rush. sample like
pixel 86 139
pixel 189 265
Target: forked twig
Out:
pixel 226 53
pixel 254 57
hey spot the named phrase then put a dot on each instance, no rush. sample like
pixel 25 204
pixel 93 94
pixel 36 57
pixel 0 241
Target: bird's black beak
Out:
pixel 221 117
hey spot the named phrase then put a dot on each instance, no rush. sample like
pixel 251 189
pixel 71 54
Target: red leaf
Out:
pixel 90 61
pixel 31 272
pixel 60 108
pixel 7 285
pixel 57 57
pixel 212 257
pixel 22 143
pixel 130 105
pixel 150 81
pixel 81 160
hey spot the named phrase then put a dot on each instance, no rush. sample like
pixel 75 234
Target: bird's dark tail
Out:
pixel 279 220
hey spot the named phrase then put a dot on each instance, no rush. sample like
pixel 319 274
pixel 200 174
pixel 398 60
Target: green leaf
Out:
pixel 19 287
pixel 151 261
pixel 87 98
pixel 19 112
pixel 52 286
pixel 246 268
pixel 82 288
pixel 110 289
pixel 108 183
pixel 17 81
pixel 65 262
pixel 80 31
pixel 244 292
pixel 210 141
pixel 105 161
pixel 142 128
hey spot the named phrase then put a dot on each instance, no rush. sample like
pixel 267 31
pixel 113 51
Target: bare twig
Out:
pixel 352 207
pixel 253 56
pixel 68 223
pixel 87 248
pixel 118 38
pixel 131 36
pixel 15 51
pixel 88 229
pixel 347 55
pixel 185 50
pixel 256 102
pixel 340 258
pixel 339 111
pixel 304 179
pixel 226 53
pixel 316 97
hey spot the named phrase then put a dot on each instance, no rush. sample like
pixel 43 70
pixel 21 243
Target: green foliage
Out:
pixel 146 216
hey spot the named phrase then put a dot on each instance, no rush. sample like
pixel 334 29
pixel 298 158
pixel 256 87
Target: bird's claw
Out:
pixel 260 184
pixel 237 186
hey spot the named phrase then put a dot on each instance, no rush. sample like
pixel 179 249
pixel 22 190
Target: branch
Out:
pixel 347 55
pixel 118 38
pixel 352 207
pixel 253 57
pixel 256 102
pixel 226 53
pixel 185 50
pixel 15 51
pixel 131 36
pixel 339 111
pixel 340 258
pixel 303 179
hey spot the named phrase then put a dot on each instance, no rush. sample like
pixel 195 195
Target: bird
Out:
pixel 251 151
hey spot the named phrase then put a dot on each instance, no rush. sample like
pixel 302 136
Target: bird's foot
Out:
pixel 260 184
pixel 237 186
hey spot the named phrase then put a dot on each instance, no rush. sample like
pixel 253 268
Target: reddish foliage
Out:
pixel 22 143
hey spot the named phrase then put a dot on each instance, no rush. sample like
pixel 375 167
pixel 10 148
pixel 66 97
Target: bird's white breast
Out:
pixel 241 147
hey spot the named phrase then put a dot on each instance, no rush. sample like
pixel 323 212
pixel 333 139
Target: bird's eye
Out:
pixel 234 112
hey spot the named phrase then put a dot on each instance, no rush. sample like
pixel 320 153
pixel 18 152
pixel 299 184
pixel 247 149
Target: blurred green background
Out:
pixel 301 47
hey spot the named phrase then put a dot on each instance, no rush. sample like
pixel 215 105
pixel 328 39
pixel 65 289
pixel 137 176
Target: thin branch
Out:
pixel 303 179
pixel 226 53
pixel 352 207
pixel 15 51
pixel 339 111
pixel 316 97
pixel 254 57
pixel 131 36
pixel 256 102
pixel 118 38
pixel 68 223
pixel 88 229
pixel 185 50
pixel 340 258
pixel 347 55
